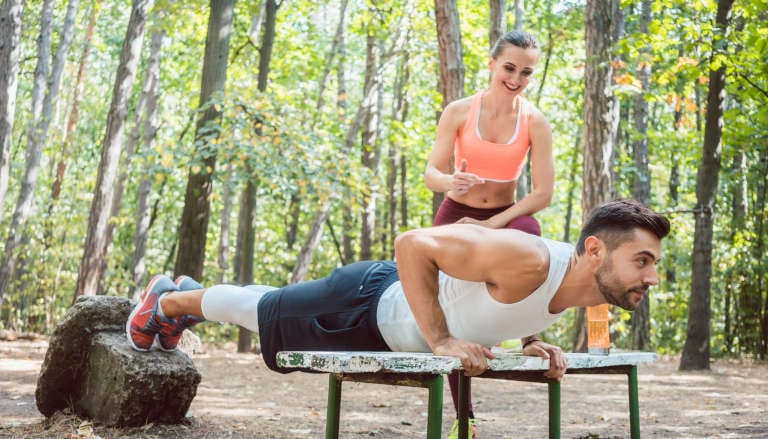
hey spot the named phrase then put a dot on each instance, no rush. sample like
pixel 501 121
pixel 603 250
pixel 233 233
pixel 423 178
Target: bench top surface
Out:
pixel 416 362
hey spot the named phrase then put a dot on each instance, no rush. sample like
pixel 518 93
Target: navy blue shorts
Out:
pixel 336 313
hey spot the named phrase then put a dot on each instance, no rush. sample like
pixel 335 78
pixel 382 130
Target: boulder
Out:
pixel 90 367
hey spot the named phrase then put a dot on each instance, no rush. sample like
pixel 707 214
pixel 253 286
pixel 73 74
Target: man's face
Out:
pixel 628 270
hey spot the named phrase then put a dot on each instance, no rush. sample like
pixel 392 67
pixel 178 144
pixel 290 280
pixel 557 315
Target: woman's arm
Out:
pixel 439 175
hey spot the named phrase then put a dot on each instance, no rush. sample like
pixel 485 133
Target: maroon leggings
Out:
pixel 451 211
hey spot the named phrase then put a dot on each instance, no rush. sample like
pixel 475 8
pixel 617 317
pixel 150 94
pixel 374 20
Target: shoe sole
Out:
pixel 136 309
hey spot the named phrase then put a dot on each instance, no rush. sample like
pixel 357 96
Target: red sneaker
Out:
pixel 169 335
pixel 144 323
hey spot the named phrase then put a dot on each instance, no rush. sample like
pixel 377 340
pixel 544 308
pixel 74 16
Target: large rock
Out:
pixel 90 367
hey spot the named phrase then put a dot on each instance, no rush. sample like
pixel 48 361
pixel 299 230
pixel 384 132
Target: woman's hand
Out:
pixel 462 182
pixel 488 223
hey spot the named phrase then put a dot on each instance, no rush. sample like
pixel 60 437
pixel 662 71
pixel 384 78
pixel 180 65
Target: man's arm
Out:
pixel 464 251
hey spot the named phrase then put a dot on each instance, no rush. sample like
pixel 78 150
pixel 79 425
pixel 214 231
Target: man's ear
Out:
pixel 594 248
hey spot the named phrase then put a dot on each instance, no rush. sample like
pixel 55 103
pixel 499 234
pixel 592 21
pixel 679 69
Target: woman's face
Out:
pixel 512 69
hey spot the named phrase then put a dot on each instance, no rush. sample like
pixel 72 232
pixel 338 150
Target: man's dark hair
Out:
pixel 614 222
pixel 518 38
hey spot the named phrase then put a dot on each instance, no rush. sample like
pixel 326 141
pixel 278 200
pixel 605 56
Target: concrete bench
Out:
pixel 426 370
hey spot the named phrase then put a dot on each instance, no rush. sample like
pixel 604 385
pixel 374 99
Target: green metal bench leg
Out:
pixel 634 404
pixel 463 412
pixel 435 411
pixel 334 407
pixel 554 409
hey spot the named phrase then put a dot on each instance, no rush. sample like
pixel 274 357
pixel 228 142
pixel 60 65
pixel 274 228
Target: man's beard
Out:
pixel 613 291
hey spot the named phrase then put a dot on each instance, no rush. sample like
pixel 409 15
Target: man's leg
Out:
pixel 165 311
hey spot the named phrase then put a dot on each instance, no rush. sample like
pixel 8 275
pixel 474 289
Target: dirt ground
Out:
pixel 240 398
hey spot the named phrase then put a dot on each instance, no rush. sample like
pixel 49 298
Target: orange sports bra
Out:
pixel 488 160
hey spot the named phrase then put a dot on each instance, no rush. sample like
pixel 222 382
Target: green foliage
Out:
pixel 295 151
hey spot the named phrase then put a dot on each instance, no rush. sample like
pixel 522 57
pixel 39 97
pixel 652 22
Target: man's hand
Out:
pixel 557 361
pixel 474 357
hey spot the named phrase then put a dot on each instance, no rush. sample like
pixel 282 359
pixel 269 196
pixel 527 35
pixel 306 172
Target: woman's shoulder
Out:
pixel 534 114
pixel 460 105
pixel 456 112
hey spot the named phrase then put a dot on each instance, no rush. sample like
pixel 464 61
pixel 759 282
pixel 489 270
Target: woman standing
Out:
pixel 488 136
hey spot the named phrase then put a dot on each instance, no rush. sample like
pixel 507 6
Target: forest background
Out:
pixel 273 141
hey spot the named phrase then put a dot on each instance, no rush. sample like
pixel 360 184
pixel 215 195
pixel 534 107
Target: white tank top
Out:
pixel 471 312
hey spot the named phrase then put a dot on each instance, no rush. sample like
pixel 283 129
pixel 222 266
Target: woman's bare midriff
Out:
pixel 487 195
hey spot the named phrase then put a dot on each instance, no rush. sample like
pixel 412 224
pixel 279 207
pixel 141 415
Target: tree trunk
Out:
pixel 696 351
pixel 674 172
pixel 371 154
pixel 148 91
pixel 600 123
pixel 147 135
pixel 337 42
pixel 396 152
pixel 247 213
pixel 140 234
pixel 226 224
pixel 519 14
pixel 451 83
pixel 738 226
pixel 640 327
pixel 292 220
pixel 498 20
pixel 42 109
pixel 197 204
pixel 571 187
pixel 757 295
pixel 74 112
pixel 313 240
pixel 96 240
pixel 11 13
pixel 547 54
pixel 23 204
pixel 245 240
pixel 347 252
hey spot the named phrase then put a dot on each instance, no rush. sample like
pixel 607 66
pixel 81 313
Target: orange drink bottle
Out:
pixel 598 335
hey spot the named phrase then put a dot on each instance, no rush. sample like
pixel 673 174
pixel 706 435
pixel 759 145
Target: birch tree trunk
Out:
pixel 145 132
pixel 96 240
pixel 641 317
pixel 324 203
pixel 313 240
pixel 696 351
pixel 600 124
pixel 34 150
pixel 74 112
pixel 148 89
pixel 190 256
pixel 11 12
pixel 338 41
